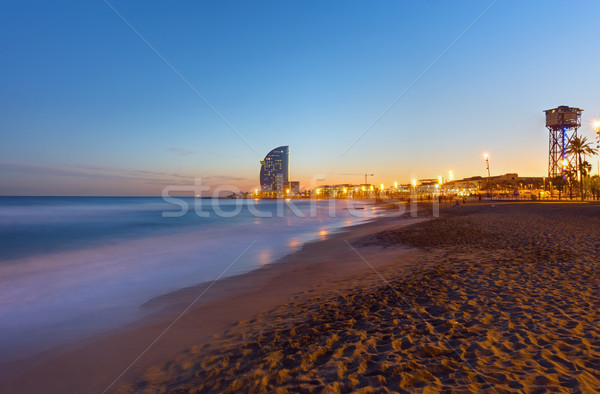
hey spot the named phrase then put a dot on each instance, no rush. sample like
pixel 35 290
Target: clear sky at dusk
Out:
pixel 87 107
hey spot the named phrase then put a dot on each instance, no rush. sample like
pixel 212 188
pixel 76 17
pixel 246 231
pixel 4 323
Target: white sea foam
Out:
pixel 57 286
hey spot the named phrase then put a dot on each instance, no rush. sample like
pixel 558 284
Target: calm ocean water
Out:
pixel 72 266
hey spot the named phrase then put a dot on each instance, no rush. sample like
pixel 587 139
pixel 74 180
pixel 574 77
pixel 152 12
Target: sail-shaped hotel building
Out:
pixel 274 171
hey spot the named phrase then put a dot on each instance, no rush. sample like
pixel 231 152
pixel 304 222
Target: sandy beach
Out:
pixel 488 297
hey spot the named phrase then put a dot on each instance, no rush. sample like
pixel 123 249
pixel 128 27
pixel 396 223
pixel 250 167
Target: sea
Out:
pixel 71 267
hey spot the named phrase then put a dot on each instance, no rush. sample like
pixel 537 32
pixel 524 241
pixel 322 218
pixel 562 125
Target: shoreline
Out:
pixel 488 296
pixel 144 265
pixel 226 301
pixel 497 298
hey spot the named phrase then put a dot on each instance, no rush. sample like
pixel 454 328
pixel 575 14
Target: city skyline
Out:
pixel 115 98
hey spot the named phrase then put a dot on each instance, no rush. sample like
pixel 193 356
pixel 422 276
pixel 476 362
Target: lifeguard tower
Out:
pixel 562 123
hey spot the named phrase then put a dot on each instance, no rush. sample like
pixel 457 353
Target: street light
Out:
pixel 596 127
pixel 413 191
pixel 487 165
pixel 544 186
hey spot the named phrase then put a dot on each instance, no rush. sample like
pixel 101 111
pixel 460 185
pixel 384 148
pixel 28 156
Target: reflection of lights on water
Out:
pixel 294 242
pixel 323 234
pixel 264 256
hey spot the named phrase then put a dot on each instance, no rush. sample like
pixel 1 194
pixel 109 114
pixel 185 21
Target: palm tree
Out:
pixel 571 174
pixel 594 186
pixel 586 169
pixel 580 146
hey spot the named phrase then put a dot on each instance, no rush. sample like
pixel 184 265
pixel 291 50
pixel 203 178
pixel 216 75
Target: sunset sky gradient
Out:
pixel 87 107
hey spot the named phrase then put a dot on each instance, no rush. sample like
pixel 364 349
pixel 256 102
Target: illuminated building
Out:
pixel 295 188
pixel 274 171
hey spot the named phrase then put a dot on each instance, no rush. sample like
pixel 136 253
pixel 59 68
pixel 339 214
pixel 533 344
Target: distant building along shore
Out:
pixel 275 174
pixel 275 183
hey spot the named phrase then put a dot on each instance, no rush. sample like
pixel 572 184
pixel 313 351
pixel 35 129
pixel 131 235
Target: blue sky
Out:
pixel 88 108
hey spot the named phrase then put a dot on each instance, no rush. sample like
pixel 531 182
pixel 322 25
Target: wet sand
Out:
pixel 503 298
pixel 489 298
pixel 93 364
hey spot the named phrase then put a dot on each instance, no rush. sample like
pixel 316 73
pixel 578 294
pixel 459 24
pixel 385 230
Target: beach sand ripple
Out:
pixel 503 299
